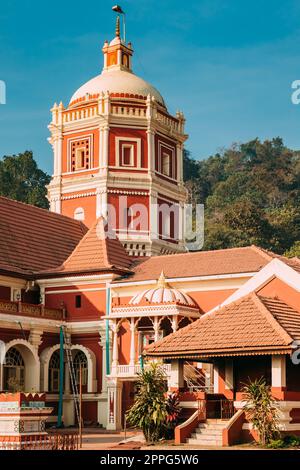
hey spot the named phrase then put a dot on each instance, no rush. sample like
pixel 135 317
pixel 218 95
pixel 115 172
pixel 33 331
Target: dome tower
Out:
pixel 118 153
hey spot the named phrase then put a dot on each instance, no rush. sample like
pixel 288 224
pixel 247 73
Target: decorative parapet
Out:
pixel 31 310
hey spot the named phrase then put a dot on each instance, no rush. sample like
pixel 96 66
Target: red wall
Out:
pixel 277 288
pixel 93 304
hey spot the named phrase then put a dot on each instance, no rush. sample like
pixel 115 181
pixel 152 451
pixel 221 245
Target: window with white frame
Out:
pixel 79 213
pixel 127 156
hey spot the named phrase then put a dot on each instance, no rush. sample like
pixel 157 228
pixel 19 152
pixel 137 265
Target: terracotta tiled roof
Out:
pixel 292 262
pixel 97 251
pixel 251 325
pixel 202 263
pixel 32 239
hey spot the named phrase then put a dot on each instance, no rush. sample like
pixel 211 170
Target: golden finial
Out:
pixel 118 27
pixel 161 283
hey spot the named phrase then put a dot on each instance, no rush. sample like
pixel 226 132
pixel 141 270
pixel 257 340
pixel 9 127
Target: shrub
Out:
pixel 261 410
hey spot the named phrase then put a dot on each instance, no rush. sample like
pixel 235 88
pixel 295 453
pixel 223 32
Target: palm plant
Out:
pixel 261 409
pixel 149 411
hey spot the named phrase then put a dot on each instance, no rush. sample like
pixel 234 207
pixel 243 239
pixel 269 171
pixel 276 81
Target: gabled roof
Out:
pixel 99 250
pixel 251 325
pixel 202 263
pixel 32 239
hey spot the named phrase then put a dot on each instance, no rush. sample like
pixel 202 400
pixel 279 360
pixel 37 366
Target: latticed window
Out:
pixel 80 360
pixel 54 366
pixel 80 155
pixel 14 371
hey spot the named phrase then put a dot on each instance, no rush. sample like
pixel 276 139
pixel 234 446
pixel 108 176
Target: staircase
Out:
pixel 208 433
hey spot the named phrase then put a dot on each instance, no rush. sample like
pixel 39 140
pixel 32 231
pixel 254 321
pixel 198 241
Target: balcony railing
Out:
pixel 124 371
pixel 31 310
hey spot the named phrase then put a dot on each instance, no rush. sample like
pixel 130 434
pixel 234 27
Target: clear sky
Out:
pixel 227 64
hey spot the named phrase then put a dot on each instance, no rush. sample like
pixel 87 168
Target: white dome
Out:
pixel 163 293
pixel 117 81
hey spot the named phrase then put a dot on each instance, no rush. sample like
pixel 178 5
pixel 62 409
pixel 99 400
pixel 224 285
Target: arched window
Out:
pixel 80 360
pixel 79 214
pixel 54 372
pixel 14 371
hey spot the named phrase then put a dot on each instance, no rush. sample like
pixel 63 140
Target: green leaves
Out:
pixel 261 409
pixel 151 409
pixel 22 180
pixel 251 194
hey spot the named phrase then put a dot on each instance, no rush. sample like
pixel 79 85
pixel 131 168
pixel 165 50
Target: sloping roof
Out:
pixel 32 239
pixel 97 251
pixel 201 263
pixel 251 325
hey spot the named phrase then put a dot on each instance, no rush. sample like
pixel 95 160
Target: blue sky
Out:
pixel 227 64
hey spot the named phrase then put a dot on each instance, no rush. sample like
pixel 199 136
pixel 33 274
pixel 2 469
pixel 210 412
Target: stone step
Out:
pixel 209 432
pixel 202 442
pixel 211 426
pixel 205 437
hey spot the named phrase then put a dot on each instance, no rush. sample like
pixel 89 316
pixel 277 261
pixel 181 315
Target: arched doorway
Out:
pixel 13 371
pixel 21 368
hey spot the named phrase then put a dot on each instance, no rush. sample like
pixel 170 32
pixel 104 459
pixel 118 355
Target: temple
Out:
pixel 108 264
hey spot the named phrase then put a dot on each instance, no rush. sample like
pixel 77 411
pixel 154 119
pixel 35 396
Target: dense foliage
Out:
pixel 261 410
pixel 251 194
pixel 21 179
pixel 153 411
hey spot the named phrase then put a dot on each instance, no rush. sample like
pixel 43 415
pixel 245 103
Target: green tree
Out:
pixel 22 180
pixel 294 251
pixel 251 194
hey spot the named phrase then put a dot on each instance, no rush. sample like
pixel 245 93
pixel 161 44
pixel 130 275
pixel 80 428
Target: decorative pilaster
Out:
pixel 114 395
pixel 115 352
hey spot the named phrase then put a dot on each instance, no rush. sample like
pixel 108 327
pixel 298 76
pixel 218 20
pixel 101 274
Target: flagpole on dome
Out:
pixel 118 9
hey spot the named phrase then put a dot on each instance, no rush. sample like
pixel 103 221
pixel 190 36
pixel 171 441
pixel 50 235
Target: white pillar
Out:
pixel 153 216
pixel 279 371
pixel 151 150
pixel 229 374
pixel 179 155
pixel 132 344
pixel 216 378
pixel 98 203
pixel 115 352
pixel 105 147
pixel 156 329
pixel 176 379
pixel 174 323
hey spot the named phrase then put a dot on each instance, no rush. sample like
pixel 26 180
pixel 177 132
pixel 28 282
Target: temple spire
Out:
pixel 161 283
pixel 118 27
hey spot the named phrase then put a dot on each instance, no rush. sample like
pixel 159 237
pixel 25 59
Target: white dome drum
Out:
pixel 117 81
pixel 163 293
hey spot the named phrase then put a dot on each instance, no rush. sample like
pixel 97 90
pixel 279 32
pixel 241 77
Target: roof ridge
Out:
pixel 271 318
pixel 269 255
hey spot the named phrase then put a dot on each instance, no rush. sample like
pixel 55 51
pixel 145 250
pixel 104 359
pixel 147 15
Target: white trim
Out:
pixel 274 268
pixel 186 279
pixel 70 280
pixel 137 141
pixel 72 291
pixel 90 138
